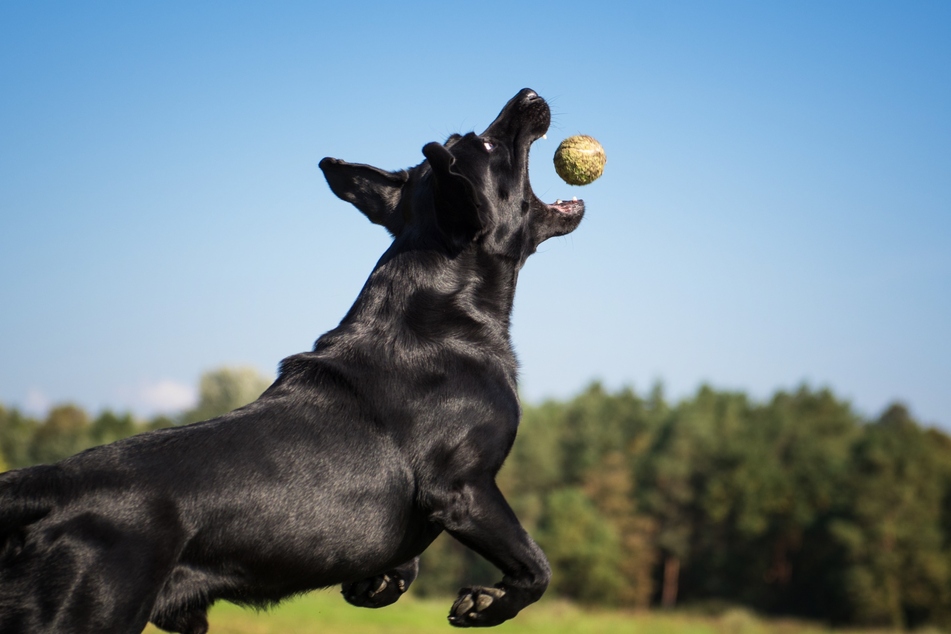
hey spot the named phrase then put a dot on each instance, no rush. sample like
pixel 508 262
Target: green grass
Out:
pixel 327 613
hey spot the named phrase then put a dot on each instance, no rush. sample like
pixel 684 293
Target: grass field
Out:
pixel 327 613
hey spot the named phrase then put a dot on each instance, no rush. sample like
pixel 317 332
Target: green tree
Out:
pixel 109 427
pixel 595 424
pixel 64 433
pixel 534 466
pixel 583 548
pixel 611 488
pixel 940 445
pixel 898 571
pixel 590 444
pixel 16 433
pixel 774 476
pixel 159 422
pixel 670 476
pixel 226 389
pixel 805 439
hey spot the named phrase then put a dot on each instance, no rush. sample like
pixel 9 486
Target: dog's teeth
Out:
pixel 558 202
pixel 574 198
pixel 544 136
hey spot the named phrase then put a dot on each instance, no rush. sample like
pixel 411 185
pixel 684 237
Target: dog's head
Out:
pixel 472 189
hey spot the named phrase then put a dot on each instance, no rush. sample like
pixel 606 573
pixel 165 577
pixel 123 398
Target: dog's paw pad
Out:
pixel 479 607
pixel 375 592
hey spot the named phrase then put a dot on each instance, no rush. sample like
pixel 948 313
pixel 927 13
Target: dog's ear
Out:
pixel 373 191
pixel 460 209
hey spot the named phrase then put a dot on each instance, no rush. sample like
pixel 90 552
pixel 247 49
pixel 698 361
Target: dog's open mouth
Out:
pixel 568 207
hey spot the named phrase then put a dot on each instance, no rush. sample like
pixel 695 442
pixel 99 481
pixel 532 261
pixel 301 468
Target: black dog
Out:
pixel 362 451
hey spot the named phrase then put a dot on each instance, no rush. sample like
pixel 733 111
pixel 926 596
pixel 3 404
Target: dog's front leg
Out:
pixel 478 516
pixel 383 589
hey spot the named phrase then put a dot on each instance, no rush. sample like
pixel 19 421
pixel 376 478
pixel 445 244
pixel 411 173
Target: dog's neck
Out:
pixel 418 297
pixel 416 284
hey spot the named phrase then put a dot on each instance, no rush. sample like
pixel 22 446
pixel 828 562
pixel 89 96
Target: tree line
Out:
pixel 794 506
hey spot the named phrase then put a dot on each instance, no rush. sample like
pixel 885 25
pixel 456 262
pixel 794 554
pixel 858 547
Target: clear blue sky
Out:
pixel 776 207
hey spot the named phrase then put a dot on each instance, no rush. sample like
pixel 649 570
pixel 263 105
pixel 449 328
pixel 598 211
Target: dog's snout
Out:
pixel 528 94
pixel 526 113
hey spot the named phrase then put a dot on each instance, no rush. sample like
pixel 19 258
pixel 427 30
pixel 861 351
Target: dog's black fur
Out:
pixel 362 451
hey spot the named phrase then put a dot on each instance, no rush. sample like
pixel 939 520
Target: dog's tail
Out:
pixel 27 495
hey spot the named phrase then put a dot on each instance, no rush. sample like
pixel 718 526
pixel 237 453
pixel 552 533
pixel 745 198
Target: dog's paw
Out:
pixel 375 592
pixel 480 607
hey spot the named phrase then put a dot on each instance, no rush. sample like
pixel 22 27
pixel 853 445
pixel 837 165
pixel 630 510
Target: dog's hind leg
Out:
pixel 384 589
pixel 86 579
pixel 478 516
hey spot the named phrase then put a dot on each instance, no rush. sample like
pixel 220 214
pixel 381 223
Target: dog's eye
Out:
pixel 488 145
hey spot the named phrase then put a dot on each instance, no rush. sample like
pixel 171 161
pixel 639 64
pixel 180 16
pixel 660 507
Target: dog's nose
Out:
pixel 528 94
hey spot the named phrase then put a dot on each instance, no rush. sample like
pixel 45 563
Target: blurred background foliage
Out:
pixel 795 506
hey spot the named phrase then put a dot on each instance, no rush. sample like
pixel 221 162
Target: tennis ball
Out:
pixel 579 160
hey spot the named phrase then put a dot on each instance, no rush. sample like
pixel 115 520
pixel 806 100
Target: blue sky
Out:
pixel 776 207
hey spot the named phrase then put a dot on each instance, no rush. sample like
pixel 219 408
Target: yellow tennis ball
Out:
pixel 579 160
